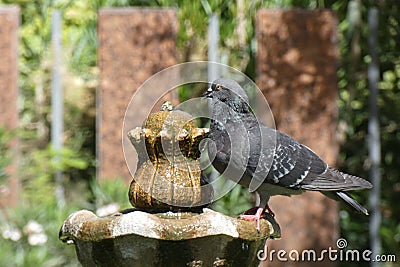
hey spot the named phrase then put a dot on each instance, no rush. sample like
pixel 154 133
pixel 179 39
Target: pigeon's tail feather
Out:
pixel 348 200
pixel 334 180
pixel 357 182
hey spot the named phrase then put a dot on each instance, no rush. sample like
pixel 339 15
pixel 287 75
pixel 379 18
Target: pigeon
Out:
pixel 266 160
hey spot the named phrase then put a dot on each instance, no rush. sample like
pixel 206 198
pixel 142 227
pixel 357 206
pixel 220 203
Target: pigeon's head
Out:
pixel 230 93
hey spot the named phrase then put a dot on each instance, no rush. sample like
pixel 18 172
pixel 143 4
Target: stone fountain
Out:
pixel 169 224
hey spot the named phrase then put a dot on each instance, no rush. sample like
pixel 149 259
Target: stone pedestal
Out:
pixel 9 23
pixel 296 71
pixel 134 44
pixel 138 238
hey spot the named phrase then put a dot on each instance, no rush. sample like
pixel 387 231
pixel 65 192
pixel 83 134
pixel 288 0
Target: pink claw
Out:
pixel 256 217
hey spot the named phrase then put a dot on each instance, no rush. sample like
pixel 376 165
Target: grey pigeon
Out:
pixel 245 150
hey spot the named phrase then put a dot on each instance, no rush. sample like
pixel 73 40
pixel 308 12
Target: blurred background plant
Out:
pixel 5 157
pixel 39 212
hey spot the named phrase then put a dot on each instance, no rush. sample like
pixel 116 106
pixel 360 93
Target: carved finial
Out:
pixel 167 106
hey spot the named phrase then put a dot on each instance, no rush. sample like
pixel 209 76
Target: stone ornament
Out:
pixel 168 176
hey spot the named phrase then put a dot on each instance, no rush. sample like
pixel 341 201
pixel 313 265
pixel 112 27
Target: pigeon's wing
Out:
pixel 293 163
pixel 262 142
pixel 297 166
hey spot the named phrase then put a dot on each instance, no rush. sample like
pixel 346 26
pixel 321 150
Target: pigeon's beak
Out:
pixel 208 93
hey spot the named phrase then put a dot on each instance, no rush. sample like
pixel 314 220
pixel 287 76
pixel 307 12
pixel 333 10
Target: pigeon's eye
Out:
pixel 218 87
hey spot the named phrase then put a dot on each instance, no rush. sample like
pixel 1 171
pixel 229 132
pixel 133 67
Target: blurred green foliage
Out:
pixel 237 49
pixel 234 203
pixel 111 191
pixel 40 206
pixel 24 252
pixel 38 177
pixel 5 157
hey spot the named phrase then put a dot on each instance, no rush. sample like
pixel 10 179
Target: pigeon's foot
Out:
pixel 253 211
pixel 256 217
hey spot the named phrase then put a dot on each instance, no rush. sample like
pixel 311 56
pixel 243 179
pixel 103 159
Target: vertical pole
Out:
pixel 213 42
pixel 57 121
pixel 9 28
pixel 374 136
pixel 296 71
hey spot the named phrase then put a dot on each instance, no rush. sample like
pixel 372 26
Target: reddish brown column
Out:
pixel 9 23
pixel 296 70
pixel 134 44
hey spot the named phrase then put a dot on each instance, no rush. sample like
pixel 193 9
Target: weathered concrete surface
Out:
pixel 134 44
pixel 168 239
pixel 9 23
pixel 296 70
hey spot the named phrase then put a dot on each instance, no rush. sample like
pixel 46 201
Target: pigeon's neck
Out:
pixel 223 114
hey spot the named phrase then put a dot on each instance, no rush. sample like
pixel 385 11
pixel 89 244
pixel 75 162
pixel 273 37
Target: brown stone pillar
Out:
pixel 9 23
pixel 296 71
pixel 134 44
